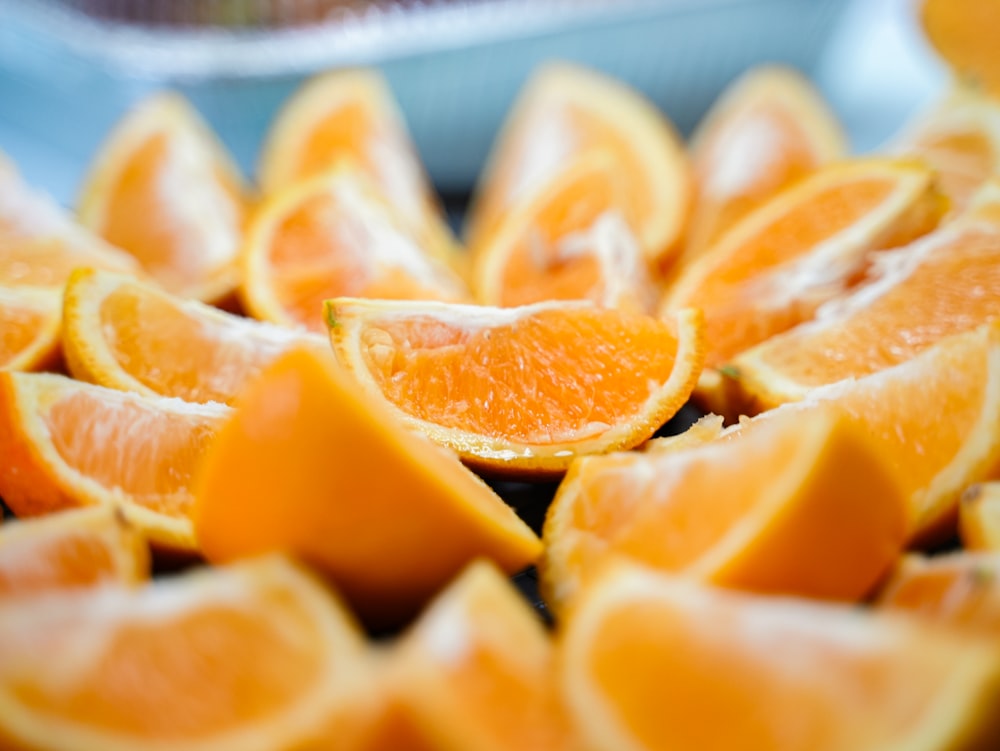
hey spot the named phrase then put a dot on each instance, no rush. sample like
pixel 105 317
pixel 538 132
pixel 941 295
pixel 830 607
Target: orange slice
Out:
pixel 477 671
pixel 258 657
pixel 570 241
pixel 121 333
pixel 566 110
pixel 331 236
pixel 67 444
pixel 650 662
pixel 960 139
pixel 352 113
pixel 71 550
pixel 520 390
pixel 959 589
pixel 769 129
pixel 962 31
pixel 163 188
pixel 979 517
pixel 310 459
pixel 774 268
pixel 800 504
pixel 943 284
pixel 29 328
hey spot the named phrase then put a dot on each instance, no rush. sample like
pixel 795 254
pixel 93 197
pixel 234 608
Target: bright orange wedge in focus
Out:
pixel 71 550
pixel 520 391
pixel 979 517
pixel 800 504
pixel 124 334
pixel 781 262
pixel 651 663
pixel 257 657
pixel 564 111
pixel 312 464
pixel 333 236
pixel 163 188
pixel 68 444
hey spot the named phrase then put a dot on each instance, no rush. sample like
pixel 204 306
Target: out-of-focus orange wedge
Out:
pixel 572 240
pixel 313 464
pixel 71 550
pixel 332 236
pixel 29 328
pixel 124 334
pixel 781 262
pixel 943 284
pixel 769 129
pixel 257 657
pixel 352 113
pixel 958 589
pixel 651 663
pixel 67 444
pixel 566 110
pixel 163 188
pixel 800 504
pixel 979 517
pixel 963 32
pixel 520 390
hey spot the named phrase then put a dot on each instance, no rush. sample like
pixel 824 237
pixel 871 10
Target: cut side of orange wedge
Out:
pixel 29 328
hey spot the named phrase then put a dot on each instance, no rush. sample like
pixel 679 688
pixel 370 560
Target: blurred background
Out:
pixel 69 68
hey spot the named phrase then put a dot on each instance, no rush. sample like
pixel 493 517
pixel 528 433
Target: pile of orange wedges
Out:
pixel 259 444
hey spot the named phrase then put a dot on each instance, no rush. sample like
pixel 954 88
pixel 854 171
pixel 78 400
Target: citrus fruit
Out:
pixel 68 444
pixel 769 129
pixel 979 516
pixel 650 662
pixel 29 328
pixel 122 333
pixel 566 110
pixel 962 32
pixel 942 284
pixel 799 504
pixel 520 390
pixel 163 188
pixel 352 114
pixel 776 266
pixel 256 656
pixel 312 464
pixel 332 236
pixel 572 240
pixel 70 550
pixel 476 672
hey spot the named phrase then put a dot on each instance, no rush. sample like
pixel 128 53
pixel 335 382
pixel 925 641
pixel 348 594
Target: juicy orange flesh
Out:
pixel 20 327
pixel 962 31
pixel 48 261
pixel 203 684
pixel 78 559
pixel 349 130
pixel 962 592
pixel 208 360
pixel 149 454
pixel 539 267
pixel 963 160
pixel 955 290
pixel 544 379
pixel 772 686
pixel 140 219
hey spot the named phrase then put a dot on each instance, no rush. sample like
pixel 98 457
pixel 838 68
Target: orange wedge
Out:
pixel 943 284
pixel 163 188
pixel 566 110
pixel 257 657
pixel 125 334
pixel 800 504
pixel 959 589
pixel 520 390
pixel 573 240
pixel 652 663
pixel 312 464
pixel 71 550
pixel 960 138
pixel 352 114
pixel 775 267
pixel 332 236
pixel 477 671
pixel 769 129
pixel 67 444
pixel 979 517
pixel 29 328
pixel 962 31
